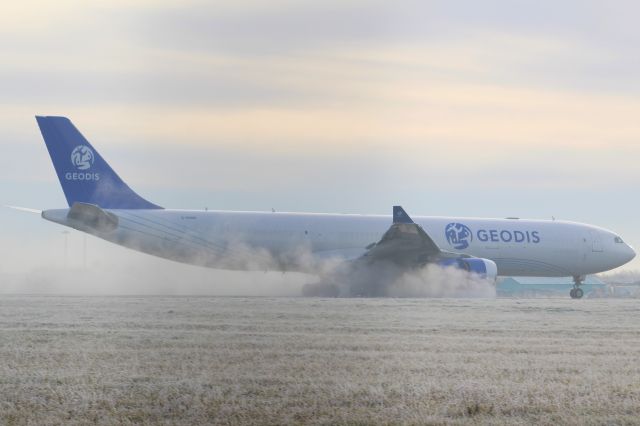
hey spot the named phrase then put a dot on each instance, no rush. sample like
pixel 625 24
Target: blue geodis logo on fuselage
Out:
pixel 460 235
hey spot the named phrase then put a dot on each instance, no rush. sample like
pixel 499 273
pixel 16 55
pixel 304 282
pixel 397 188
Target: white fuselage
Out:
pixel 301 241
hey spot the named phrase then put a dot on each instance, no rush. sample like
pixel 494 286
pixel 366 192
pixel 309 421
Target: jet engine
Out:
pixel 484 268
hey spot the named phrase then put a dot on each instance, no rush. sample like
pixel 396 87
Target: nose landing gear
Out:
pixel 576 292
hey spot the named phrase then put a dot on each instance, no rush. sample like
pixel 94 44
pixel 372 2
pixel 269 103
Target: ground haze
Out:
pixel 304 360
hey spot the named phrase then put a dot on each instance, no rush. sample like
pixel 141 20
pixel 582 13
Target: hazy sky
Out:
pixel 466 108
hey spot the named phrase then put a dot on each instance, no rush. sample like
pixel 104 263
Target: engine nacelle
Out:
pixel 484 268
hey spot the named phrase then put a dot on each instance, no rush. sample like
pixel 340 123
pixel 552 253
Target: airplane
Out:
pixel 103 205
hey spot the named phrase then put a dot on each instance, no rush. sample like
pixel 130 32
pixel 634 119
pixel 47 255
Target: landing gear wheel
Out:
pixel 576 292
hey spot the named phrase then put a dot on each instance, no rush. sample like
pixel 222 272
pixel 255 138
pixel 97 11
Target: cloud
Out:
pixel 332 106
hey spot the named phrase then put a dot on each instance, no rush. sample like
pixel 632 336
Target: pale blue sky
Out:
pixel 493 108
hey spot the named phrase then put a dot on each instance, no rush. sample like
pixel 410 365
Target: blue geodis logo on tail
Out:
pixel 458 235
pixel 82 157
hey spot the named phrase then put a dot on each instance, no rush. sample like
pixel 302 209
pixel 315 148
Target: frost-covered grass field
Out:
pixel 294 360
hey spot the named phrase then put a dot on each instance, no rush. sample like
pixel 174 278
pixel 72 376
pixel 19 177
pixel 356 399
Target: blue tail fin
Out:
pixel 84 175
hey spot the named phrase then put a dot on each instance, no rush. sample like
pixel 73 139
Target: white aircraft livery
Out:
pixel 101 204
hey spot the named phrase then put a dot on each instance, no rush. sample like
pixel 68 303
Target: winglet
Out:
pixel 400 216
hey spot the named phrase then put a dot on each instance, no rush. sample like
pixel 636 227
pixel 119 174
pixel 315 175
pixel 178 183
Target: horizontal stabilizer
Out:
pixel 92 216
pixel 25 209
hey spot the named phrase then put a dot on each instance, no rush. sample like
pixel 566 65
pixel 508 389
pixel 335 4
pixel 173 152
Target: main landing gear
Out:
pixel 576 292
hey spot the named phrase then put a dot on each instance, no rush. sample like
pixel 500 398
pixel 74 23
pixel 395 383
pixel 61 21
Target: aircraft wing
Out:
pixel 405 243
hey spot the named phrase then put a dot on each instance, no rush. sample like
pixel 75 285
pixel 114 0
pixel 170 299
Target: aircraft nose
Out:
pixel 630 253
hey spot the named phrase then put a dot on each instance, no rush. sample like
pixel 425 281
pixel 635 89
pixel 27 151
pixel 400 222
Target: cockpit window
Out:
pixel 618 240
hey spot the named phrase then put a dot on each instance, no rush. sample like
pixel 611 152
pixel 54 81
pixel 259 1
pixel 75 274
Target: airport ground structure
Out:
pixel 593 286
pixel 547 286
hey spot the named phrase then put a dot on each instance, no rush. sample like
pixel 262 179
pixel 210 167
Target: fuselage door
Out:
pixel 596 241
